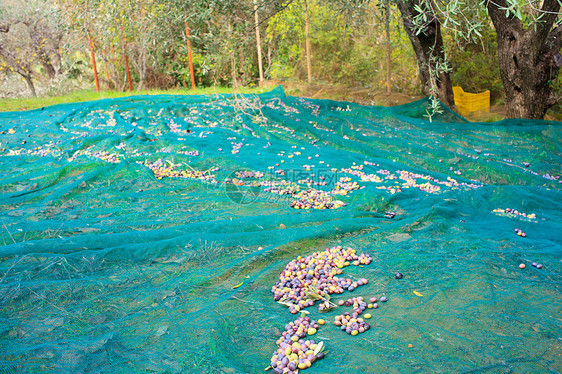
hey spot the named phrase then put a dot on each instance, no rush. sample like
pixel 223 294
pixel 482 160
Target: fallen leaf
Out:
pixel 11 131
pixel 319 348
pixel 238 285
pixel 418 294
pixel 161 331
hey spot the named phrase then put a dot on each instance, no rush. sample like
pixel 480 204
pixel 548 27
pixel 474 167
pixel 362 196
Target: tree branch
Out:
pixel 499 16
pixel 549 14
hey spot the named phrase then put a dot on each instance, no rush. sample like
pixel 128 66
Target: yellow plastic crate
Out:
pixel 469 102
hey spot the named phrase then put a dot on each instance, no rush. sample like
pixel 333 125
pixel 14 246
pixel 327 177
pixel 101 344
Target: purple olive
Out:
pixel 398 275
pixel 384 299
pixel 539 266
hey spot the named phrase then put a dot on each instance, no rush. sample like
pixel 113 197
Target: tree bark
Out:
pixel 258 42
pixel 529 59
pixel 39 36
pixel 30 84
pixel 429 49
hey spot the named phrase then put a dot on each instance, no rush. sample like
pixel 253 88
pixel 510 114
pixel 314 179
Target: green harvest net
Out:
pixel 145 234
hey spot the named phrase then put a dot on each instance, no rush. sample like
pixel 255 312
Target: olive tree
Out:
pixel 529 42
pixel 30 34
pixel 529 36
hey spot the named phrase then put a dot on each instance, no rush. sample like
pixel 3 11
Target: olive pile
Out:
pixel 315 199
pixel 294 353
pixel 280 188
pixel 319 273
pixel 249 174
pixel 515 213
pixel 168 169
pixel 351 323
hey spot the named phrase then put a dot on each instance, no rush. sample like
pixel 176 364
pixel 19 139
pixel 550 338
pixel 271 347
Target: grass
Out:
pixel 8 105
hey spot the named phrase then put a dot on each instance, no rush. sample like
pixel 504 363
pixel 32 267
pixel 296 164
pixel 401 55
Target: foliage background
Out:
pixel 347 48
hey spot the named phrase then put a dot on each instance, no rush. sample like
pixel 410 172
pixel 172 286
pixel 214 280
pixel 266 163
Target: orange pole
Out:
pixel 94 63
pixel 126 58
pixel 190 59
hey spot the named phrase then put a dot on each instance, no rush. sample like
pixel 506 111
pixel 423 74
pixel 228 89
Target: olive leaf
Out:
pixel 285 303
pixel 313 293
pixel 319 348
pixel 268 368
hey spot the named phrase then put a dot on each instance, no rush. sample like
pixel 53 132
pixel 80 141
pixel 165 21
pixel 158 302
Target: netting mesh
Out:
pixel 144 234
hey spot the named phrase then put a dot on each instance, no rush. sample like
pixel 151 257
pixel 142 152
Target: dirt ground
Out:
pixel 366 96
pixel 363 96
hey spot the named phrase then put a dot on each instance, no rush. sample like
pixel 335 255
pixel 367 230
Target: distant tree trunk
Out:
pixel 241 67
pixel 428 46
pixel 142 68
pixel 20 67
pixel 388 51
pixel 30 84
pixel 529 59
pixel 268 57
pixel 57 53
pixel 307 43
pixel 258 42
pixel 38 42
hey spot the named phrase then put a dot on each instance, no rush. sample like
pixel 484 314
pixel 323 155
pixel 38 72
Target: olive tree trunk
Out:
pixel 429 49
pixel 21 67
pixel 529 59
